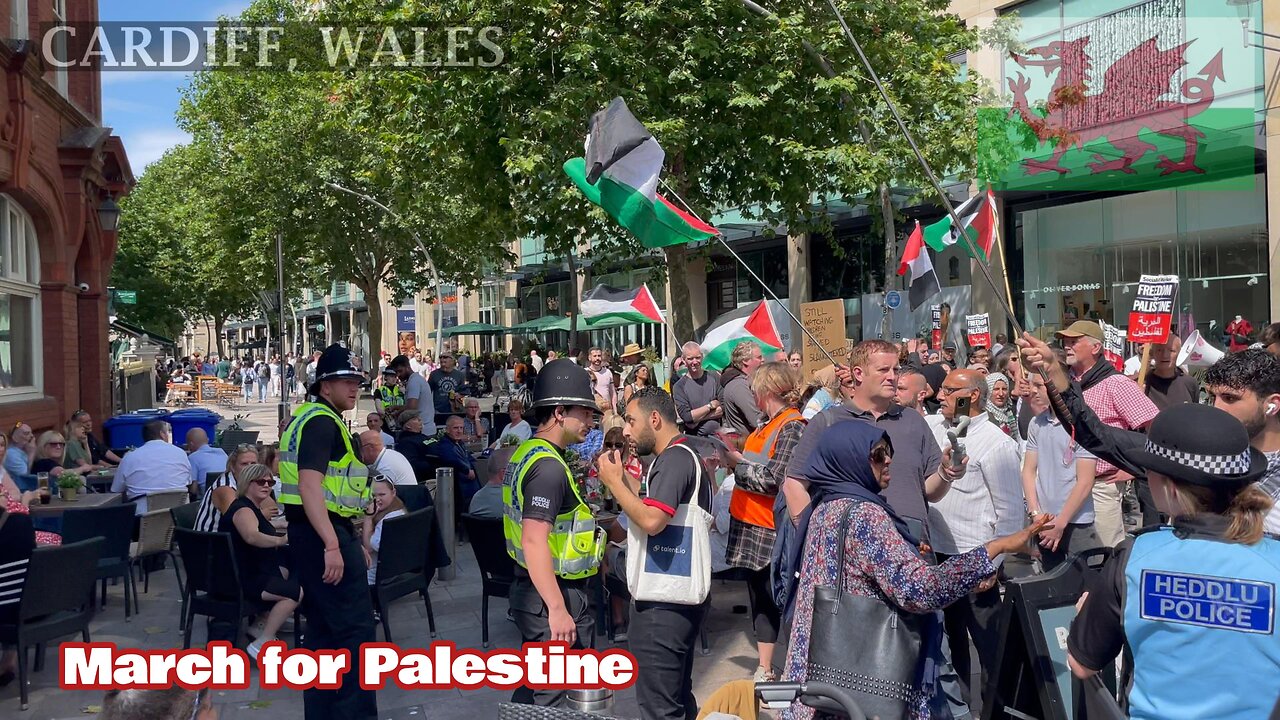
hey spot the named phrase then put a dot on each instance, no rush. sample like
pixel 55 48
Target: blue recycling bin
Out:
pixel 124 431
pixel 184 420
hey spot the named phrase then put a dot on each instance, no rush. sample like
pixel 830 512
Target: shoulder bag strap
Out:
pixel 842 539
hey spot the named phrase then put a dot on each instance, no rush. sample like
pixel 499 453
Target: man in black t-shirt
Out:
pixel 662 635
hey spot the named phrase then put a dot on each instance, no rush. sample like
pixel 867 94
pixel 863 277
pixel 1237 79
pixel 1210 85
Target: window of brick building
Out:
pixel 20 340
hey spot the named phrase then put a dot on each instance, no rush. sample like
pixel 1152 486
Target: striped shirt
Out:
pixel 209 516
pixel 987 502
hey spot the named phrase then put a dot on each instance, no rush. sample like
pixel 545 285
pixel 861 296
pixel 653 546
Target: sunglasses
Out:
pixel 881 454
pixel 269 482
pixel 58 442
pixel 615 446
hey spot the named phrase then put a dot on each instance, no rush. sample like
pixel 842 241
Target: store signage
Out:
pixel 935 313
pixel 127 297
pixel 825 321
pixel 406 320
pixel 1113 344
pixel 1152 313
pixel 978 328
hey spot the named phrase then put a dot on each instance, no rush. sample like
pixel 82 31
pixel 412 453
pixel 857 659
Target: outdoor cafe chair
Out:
pixel 167 499
pixel 114 524
pixel 213 584
pixel 56 601
pixel 497 569
pixel 155 539
pixel 402 564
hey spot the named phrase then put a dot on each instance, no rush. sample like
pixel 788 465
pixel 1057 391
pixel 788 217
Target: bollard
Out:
pixel 591 701
pixel 445 502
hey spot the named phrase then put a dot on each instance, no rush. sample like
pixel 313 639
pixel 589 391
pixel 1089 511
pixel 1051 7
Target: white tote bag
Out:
pixel 673 566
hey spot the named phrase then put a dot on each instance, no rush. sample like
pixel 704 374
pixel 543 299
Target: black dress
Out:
pixel 259 567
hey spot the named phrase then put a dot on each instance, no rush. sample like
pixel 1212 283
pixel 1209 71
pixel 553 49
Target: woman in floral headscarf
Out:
pixel 1000 404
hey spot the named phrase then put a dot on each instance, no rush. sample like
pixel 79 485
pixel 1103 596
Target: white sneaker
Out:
pixel 255 647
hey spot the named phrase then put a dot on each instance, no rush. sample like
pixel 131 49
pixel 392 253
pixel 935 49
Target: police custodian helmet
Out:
pixel 335 363
pixel 563 382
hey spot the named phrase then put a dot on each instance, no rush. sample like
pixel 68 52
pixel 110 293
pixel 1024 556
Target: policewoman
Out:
pixel 324 488
pixel 549 528
pixel 1194 602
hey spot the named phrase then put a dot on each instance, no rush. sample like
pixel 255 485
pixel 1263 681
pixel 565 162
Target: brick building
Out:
pixel 60 171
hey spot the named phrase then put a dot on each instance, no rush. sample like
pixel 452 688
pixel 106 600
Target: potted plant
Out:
pixel 68 484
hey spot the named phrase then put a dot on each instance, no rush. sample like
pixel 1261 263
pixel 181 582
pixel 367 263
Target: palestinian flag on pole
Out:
pixel 620 174
pixel 758 327
pixel 609 302
pixel 915 258
pixel 978 217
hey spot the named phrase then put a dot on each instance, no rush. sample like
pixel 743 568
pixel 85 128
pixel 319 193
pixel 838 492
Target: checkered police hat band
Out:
pixel 1212 464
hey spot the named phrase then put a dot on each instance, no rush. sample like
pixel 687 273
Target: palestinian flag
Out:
pixel 978 217
pixel 915 258
pixel 620 174
pixel 609 302
pixel 758 327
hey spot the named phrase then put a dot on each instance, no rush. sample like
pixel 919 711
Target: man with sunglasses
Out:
pixel 324 488
pixel 549 528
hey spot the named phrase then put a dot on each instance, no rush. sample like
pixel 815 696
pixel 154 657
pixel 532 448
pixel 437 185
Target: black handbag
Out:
pixel 866 646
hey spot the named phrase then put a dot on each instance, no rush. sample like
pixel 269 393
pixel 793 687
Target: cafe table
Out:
pixel 100 480
pixel 83 501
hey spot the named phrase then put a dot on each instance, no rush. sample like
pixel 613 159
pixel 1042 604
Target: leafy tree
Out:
pixel 748 119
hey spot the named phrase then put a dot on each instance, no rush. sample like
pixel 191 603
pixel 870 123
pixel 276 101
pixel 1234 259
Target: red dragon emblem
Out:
pixel 1128 102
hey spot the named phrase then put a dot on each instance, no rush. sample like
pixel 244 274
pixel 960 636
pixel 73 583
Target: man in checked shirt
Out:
pixel 1118 402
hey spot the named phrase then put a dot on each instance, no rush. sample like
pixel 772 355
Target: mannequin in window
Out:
pixel 1238 332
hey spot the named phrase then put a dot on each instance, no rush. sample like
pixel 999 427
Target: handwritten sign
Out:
pixel 978 329
pixel 1113 344
pixel 207 388
pixel 825 321
pixel 1152 313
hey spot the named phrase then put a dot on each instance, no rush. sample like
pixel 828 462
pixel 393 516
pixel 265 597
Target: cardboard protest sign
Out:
pixel 1113 344
pixel 978 330
pixel 1153 305
pixel 825 321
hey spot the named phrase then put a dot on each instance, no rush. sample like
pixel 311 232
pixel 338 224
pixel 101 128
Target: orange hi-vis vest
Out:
pixel 756 508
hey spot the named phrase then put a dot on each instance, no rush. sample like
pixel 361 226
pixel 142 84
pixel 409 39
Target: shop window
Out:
pixel 20 341
pixel 60 45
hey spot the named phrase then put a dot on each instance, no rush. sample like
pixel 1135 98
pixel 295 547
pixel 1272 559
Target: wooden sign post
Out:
pixel 825 321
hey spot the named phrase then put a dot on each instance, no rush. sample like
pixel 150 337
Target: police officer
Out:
pixel 323 488
pixel 390 399
pixel 549 528
pixel 1193 602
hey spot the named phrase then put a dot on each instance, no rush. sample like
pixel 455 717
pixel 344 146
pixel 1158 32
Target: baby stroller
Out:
pixel 774 695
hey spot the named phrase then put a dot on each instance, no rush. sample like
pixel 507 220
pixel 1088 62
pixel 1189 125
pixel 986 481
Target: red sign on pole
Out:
pixel 978 328
pixel 1152 313
pixel 936 313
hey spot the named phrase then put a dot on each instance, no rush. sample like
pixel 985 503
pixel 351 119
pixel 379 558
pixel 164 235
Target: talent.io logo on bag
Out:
pixel 669 552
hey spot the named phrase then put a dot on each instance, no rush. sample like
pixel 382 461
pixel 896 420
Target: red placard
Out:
pixel 936 313
pixel 978 329
pixel 1152 313
pixel 1113 345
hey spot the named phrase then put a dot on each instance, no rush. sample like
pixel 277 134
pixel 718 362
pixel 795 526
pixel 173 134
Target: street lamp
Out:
pixel 435 276
pixel 1244 10
pixel 109 215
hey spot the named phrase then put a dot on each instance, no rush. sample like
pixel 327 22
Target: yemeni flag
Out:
pixel 758 327
pixel 978 217
pixel 619 172
pixel 609 302
pixel 915 259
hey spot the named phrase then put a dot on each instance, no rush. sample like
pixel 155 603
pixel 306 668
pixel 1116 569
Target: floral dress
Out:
pixel 879 564
pixel 17 507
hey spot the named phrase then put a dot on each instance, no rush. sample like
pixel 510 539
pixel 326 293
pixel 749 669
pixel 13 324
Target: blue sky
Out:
pixel 140 106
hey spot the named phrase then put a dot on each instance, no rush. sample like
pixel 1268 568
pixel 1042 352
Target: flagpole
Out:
pixel 1004 263
pixel 924 164
pixel 752 273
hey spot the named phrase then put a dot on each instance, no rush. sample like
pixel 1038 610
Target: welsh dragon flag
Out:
pixel 636 305
pixel 978 219
pixel 619 172
pixel 758 327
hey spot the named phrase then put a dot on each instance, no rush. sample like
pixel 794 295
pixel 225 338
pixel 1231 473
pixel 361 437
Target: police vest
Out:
pixel 756 508
pixel 346 481
pixel 576 544
pixel 392 397
pixel 1198 612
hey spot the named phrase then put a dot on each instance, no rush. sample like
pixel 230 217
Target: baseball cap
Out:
pixel 1081 328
